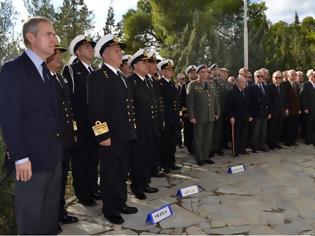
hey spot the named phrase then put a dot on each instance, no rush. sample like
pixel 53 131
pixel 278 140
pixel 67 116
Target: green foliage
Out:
pixel 9 46
pixel 110 22
pixel 40 8
pixel 7 211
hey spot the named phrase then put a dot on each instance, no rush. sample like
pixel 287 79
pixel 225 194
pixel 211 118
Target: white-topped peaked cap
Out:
pixel 125 58
pixel 58 47
pixel 189 68
pixel 106 41
pixel 165 64
pixel 78 41
pixel 202 66
pixel 153 56
pixel 140 55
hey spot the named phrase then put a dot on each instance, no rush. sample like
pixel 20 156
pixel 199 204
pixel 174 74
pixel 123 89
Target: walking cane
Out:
pixel 233 141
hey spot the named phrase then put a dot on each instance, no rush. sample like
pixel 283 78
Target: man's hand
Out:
pixel 23 171
pixel 232 120
pixel 306 111
pixel 250 119
pixel 216 117
pixel 106 143
pixel 193 120
pixel 269 117
pixel 286 112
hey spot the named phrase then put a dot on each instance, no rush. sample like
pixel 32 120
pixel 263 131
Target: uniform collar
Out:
pixel 111 68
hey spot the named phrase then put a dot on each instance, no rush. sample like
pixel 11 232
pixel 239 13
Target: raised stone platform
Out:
pixel 275 195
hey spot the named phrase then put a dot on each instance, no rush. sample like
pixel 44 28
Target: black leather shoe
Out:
pixel 114 218
pixel 140 195
pixel 97 195
pixel 128 210
pixel 278 146
pixel 210 162
pixel 244 152
pixel 158 175
pixel 200 163
pixel 166 170
pixel 175 167
pixel 59 231
pixel 254 151
pixel 220 153
pixel 88 202
pixel 263 149
pixel 148 189
pixel 66 219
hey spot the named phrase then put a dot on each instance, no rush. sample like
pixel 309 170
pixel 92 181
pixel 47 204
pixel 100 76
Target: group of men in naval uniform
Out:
pixel 124 119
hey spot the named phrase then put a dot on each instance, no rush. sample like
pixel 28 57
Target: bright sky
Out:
pixel 99 8
pixel 277 10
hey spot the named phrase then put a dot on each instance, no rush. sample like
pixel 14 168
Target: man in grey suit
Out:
pixel 203 110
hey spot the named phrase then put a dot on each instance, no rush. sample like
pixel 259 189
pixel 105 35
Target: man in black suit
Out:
pixel 171 111
pixel 237 112
pixel 278 110
pixel 259 112
pixel 85 161
pixel 55 64
pixel 111 113
pixel 308 106
pixel 292 101
pixel 29 121
pixel 142 158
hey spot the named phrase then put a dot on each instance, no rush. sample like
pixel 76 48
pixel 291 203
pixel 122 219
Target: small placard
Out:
pixel 159 214
pixel 236 169
pixel 184 192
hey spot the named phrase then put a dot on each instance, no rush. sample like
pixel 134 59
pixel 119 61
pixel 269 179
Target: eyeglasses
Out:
pixel 259 76
pixel 277 77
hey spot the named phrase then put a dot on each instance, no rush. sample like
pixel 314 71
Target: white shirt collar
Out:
pixel 86 65
pixel 141 77
pixel 167 80
pixel 112 68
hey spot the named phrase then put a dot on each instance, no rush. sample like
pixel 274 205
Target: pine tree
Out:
pixel 110 27
pixel 40 8
pixel 73 18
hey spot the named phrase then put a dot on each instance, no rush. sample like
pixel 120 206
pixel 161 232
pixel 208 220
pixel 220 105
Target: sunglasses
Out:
pixel 259 76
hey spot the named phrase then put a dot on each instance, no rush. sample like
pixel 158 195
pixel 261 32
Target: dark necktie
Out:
pixel 45 72
pixel 90 69
pixel 278 88
pixel 205 85
pixel 148 82
pixel 262 89
pixel 122 78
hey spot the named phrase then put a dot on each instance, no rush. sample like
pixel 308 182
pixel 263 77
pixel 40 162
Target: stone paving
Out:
pixel 275 195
